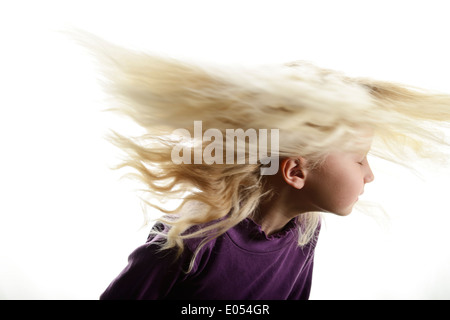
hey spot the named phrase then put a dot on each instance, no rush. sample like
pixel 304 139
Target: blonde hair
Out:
pixel 317 111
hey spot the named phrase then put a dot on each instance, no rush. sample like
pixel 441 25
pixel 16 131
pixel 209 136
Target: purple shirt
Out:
pixel 242 264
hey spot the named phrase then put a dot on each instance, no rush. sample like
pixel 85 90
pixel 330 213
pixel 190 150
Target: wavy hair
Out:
pixel 317 111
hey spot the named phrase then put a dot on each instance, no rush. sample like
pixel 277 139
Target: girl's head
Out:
pixel 332 185
pixel 336 186
pixel 327 124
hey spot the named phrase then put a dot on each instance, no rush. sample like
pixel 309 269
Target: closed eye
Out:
pixel 362 161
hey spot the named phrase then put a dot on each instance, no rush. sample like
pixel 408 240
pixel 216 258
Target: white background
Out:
pixel 67 224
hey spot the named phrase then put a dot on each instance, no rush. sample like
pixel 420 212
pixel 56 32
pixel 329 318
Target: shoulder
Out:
pixel 198 248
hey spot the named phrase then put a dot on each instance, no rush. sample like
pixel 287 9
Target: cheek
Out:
pixel 340 189
pixel 347 182
pixel 340 192
pixel 349 194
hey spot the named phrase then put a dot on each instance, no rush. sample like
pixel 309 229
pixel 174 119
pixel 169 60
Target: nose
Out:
pixel 369 177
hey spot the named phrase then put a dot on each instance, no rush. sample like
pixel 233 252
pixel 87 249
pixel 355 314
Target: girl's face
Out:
pixel 336 185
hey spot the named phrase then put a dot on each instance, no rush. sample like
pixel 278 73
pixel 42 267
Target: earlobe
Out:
pixel 294 172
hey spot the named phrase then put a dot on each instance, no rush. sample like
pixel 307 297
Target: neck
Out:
pixel 273 214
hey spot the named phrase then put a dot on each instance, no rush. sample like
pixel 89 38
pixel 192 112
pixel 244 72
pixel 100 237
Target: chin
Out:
pixel 344 212
pixel 340 211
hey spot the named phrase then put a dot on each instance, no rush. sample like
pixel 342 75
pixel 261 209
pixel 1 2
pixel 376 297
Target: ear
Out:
pixel 294 171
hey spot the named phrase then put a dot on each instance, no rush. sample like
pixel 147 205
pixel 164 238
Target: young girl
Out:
pixel 242 231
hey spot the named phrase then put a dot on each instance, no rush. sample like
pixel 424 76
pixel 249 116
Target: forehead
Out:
pixel 337 163
pixel 359 144
pixel 355 151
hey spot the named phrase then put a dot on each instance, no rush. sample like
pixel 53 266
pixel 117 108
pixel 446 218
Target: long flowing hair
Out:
pixel 317 111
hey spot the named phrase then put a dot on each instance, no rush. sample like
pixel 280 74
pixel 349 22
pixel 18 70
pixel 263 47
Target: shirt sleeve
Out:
pixel 151 273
